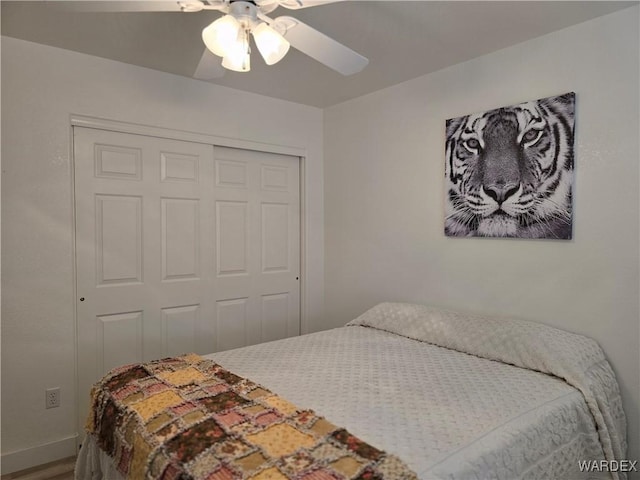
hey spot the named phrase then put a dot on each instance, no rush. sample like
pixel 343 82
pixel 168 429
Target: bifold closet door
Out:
pixel 180 247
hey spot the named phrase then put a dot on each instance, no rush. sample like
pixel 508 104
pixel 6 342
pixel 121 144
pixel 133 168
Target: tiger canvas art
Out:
pixel 509 171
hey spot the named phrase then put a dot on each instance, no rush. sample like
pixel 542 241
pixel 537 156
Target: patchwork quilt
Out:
pixel 188 418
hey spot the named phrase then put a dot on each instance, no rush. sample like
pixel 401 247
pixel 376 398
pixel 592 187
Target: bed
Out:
pixel 449 395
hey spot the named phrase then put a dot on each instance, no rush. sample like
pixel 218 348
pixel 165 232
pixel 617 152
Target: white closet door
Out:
pixel 180 247
pixel 256 286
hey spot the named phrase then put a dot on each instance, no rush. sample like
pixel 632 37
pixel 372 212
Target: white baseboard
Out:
pixel 31 457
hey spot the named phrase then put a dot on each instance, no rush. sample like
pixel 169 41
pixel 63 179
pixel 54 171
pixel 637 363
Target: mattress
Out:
pixel 446 413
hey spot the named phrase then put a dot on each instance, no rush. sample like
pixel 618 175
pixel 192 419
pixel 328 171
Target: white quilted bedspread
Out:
pixel 576 359
pixel 447 414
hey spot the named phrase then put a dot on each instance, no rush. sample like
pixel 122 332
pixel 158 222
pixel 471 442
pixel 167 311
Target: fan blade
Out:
pixel 210 67
pixel 298 4
pixel 116 6
pixel 120 6
pixel 320 47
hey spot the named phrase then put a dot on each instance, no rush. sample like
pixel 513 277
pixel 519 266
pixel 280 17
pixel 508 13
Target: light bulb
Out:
pixel 221 36
pixel 272 46
pixel 238 55
pixel 237 63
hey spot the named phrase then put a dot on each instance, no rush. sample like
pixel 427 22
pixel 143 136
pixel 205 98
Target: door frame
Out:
pixel 172 134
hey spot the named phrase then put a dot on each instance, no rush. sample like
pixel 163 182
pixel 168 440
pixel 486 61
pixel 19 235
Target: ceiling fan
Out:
pixel 228 37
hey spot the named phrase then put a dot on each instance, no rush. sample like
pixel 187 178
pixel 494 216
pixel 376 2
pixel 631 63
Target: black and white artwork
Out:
pixel 509 171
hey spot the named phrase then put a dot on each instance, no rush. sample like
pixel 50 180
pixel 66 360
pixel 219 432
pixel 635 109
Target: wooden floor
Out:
pixel 60 470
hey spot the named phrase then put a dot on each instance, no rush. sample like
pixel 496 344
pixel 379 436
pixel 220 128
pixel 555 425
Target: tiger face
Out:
pixel 509 171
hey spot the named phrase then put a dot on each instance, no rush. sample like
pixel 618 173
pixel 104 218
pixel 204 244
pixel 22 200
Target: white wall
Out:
pixel 41 88
pixel 384 191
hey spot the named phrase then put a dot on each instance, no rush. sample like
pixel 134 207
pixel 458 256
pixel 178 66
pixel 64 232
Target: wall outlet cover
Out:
pixel 52 397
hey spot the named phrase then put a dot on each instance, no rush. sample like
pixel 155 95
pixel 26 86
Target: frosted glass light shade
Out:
pixel 221 35
pixel 271 45
pixel 237 64
pixel 237 56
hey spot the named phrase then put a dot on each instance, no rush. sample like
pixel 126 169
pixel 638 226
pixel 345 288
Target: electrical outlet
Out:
pixel 52 397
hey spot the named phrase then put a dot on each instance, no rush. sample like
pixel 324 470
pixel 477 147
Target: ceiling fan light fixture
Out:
pixel 222 35
pixel 271 45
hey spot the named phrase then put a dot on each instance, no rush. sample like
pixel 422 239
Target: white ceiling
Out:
pixel 402 39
